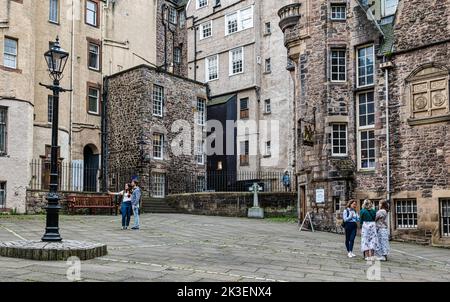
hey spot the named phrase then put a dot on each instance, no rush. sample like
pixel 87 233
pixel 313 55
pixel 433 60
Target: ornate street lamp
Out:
pixel 56 59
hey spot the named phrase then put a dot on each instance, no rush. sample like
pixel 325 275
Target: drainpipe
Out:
pixel 388 139
pixel 195 48
pixel 163 8
pixel 71 83
pixel 104 143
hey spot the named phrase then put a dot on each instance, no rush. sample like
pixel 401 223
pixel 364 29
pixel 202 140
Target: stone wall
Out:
pixel 234 204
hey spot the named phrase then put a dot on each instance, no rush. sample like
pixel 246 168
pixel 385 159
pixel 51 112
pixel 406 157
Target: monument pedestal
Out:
pixel 256 213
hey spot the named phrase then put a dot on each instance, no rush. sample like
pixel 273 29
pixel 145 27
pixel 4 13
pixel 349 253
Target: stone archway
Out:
pixel 91 158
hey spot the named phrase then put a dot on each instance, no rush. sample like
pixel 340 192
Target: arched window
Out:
pixel 429 93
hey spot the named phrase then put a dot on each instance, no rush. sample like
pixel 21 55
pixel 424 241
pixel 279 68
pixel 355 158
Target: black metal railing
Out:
pixel 73 177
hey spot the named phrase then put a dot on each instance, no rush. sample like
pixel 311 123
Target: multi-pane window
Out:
pixel 268 28
pixel 236 61
pixel 268 66
pixel 91 13
pixel 267 106
pixel 240 20
pixel 268 148
pixel 53 14
pixel 182 17
pixel 245 152
pixel 212 68
pixel 201 111
pixel 93 100
pixel 338 12
pixel 3 130
pixel 10 53
pixel 445 217
pixel 173 15
pixel 406 214
pixel 337 203
pixel 177 55
pixel 199 153
pixel 50 108
pixel 339 140
pixel 158 185
pixel 244 110
pixel 338 65
pixel 158 100
pixel 366 125
pixel 365 66
pixel 232 23
pixel 206 30
pixel 158 146
pixel 94 56
pixel 201 184
pixel 2 195
pixel 202 3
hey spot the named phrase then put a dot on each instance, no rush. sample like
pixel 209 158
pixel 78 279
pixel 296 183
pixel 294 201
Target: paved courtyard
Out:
pixel 196 248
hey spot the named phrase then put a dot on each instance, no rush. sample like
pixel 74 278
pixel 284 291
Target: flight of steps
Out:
pixel 157 206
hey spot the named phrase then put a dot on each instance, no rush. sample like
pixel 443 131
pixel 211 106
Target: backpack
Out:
pixel 343 221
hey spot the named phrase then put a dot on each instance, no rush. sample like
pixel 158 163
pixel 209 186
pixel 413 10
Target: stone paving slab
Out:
pixel 185 248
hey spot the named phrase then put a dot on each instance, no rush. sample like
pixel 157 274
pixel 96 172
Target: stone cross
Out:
pixel 256 211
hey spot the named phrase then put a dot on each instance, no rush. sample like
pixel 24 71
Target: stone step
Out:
pixel 157 206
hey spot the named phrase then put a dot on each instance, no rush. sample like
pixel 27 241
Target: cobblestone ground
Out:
pixel 196 248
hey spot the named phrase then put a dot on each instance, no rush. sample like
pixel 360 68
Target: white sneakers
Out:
pixel 351 255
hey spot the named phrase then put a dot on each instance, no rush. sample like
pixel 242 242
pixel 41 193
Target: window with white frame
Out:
pixel 267 106
pixel 3 129
pixel 158 100
pixel 366 130
pixel 237 61
pixel 338 11
pixel 339 140
pixel 268 66
pixel 268 148
pixel 202 3
pixel 94 100
pixel 201 111
pixel 406 213
pixel 50 109
pixel 206 30
pixel 177 55
pixel 365 66
pixel 2 194
pixel 10 53
pixel 158 146
pixel 389 7
pixel 91 13
pixel 173 15
pixel 240 20
pixel 158 185
pixel 445 217
pixel 53 14
pixel 200 153
pixel 338 65
pixel 94 56
pixel 212 68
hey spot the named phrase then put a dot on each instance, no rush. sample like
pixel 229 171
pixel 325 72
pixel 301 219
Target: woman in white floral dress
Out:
pixel 369 238
pixel 383 247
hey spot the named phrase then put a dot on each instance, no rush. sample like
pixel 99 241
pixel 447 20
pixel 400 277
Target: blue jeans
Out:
pixel 136 216
pixel 126 213
pixel 350 235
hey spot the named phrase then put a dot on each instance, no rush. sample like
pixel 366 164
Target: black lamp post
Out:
pixel 56 59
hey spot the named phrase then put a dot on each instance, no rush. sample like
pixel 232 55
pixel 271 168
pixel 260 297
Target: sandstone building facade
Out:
pixel 236 47
pixel 158 136
pixel 372 110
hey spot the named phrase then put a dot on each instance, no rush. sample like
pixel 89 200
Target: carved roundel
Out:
pixel 438 100
pixel 421 103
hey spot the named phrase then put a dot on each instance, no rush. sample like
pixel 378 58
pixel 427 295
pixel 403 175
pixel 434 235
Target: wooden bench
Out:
pixel 92 203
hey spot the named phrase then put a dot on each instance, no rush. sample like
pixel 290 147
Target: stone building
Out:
pixel 236 47
pixel 102 38
pixel 372 110
pixel 155 130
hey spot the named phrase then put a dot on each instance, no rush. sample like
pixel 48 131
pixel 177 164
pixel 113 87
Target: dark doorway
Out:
pixel 91 167
pixel 302 205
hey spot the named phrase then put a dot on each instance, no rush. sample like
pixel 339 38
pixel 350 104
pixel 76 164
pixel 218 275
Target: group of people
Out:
pixel 375 231
pixel 131 198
